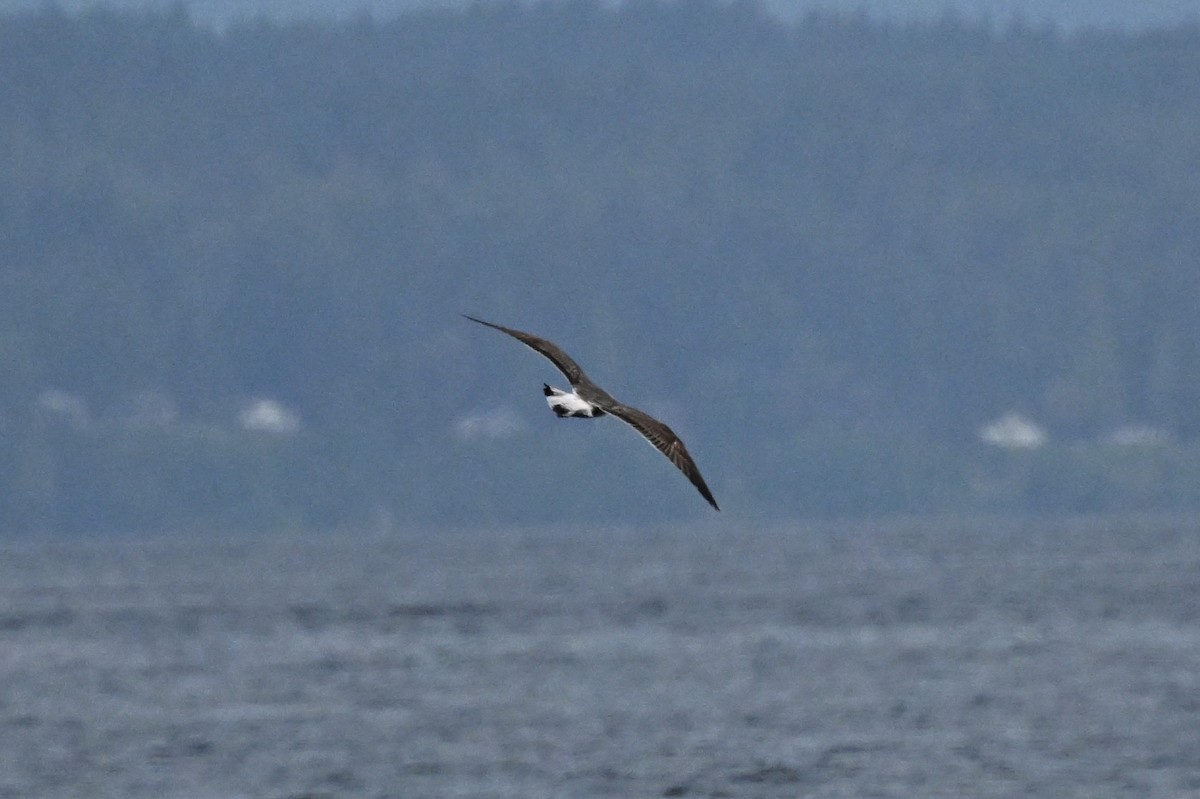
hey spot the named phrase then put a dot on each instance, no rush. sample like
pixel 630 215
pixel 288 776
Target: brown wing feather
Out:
pixel 665 441
pixel 662 437
pixel 549 349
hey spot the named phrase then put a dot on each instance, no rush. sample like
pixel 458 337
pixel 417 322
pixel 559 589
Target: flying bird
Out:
pixel 589 401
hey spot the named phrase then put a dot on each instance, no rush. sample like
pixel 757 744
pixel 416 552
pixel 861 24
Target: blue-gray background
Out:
pixel 276 521
pixel 831 250
pixel 1067 14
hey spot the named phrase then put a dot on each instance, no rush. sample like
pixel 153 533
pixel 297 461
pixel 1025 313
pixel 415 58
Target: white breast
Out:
pixel 564 404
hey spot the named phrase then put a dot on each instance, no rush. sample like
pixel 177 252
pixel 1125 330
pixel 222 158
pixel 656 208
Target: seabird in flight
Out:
pixel 588 401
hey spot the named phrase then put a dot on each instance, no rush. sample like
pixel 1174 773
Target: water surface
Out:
pixel 902 660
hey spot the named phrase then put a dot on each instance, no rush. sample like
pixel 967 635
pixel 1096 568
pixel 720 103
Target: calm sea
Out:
pixel 909 659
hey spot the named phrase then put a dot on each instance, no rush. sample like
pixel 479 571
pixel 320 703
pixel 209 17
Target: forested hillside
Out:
pixel 826 253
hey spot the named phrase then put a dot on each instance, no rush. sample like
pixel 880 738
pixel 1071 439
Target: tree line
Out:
pixel 815 242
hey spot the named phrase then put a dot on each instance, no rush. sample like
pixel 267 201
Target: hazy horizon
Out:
pixel 1066 15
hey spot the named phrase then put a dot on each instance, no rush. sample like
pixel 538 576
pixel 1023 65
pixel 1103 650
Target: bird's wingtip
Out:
pixel 477 320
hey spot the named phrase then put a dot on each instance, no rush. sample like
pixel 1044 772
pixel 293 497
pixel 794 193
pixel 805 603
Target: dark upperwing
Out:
pixel 658 434
pixel 563 362
pixel 665 441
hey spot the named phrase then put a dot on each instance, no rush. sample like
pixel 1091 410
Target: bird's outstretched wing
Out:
pixel 658 434
pixel 549 349
pixel 665 441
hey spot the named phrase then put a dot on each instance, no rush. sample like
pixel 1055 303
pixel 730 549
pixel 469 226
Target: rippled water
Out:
pixel 903 660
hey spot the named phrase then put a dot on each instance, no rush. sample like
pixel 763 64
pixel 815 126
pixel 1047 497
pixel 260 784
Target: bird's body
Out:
pixel 589 401
pixel 569 403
